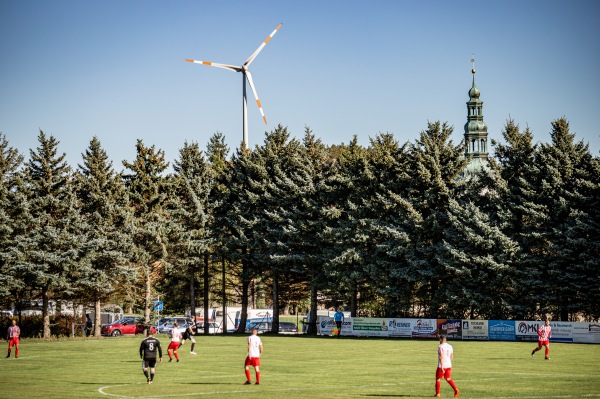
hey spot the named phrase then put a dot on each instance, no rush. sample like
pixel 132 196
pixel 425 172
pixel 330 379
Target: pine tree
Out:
pixel 105 208
pixel 149 198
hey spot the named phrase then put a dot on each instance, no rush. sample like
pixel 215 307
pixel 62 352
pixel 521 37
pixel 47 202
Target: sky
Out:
pixel 116 69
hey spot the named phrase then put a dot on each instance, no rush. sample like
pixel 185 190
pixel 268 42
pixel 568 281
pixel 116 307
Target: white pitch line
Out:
pixel 101 390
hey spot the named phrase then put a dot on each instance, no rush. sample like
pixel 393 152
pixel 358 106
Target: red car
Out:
pixel 127 325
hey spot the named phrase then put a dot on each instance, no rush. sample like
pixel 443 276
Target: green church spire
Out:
pixel 476 136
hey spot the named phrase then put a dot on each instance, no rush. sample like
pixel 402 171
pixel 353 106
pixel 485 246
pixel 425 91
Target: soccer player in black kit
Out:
pixel 148 350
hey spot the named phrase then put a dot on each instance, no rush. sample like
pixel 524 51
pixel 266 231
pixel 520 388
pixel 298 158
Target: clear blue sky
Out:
pixel 115 69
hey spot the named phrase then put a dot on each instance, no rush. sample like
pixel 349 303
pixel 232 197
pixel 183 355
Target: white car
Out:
pixel 168 326
pixel 213 328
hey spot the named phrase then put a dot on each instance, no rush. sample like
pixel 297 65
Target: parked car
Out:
pixel 126 326
pixel 284 327
pixel 168 326
pixel 162 323
pixel 287 327
pixel 213 328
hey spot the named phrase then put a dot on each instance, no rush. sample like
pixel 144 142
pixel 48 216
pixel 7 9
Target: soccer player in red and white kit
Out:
pixel 544 334
pixel 255 348
pixel 444 368
pixel 174 345
pixel 13 338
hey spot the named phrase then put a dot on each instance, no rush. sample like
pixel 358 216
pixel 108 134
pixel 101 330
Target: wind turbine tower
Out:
pixel 245 76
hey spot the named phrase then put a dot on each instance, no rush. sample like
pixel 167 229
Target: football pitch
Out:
pixel 298 367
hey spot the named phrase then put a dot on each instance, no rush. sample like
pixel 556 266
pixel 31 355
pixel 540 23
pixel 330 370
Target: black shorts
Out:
pixel 149 363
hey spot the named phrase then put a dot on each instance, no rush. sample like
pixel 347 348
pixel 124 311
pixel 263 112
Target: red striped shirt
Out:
pixel 544 333
pixel 14 331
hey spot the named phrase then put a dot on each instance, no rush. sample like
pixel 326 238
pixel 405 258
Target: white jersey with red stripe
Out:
pixel 14 331
pixel 175 335
pixel 544 333
pixel 445 352
pixel 254 344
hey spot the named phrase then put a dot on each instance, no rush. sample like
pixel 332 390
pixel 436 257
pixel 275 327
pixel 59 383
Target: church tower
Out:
pixel 476 136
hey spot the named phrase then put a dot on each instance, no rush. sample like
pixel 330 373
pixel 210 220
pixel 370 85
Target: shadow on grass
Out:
pixel 209 383
pixel 378 395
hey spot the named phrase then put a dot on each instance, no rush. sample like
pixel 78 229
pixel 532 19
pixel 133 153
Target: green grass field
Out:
pixel 298 367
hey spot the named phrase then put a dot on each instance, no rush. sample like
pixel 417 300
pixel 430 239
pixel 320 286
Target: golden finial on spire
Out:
pixel 473 63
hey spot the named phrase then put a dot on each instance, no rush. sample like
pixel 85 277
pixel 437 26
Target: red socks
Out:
pixel 248 375
pixel 258 377
pixel 453 385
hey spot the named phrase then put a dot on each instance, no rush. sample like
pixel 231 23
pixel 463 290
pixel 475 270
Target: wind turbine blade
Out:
pixel 214 64
pixel 255 95
pixel 263 44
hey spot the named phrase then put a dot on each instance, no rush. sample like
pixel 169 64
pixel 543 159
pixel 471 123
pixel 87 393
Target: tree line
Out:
pixel 391 230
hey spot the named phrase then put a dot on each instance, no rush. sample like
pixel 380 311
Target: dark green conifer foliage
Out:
pixel 524 213
pixel 281 190
pixel 566 183
pixel 12 205
pixel 237 217
pixel 220 169
pixel 48 249
pixel 104 265
pixel 482 230
pixel 149 198
pixel 309 220
pixel 191 211
pixel 387 224
pixel 436 165
pixel 346 268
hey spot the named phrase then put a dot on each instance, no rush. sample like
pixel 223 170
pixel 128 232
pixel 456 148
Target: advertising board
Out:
pixel 526 330
pixel 562 331
pixel 371 327
pixel 588 333
pixel 501 330
pixel 400 327
pixel 475 329
pixel 424 328
pixel 325 324
pixel 451 328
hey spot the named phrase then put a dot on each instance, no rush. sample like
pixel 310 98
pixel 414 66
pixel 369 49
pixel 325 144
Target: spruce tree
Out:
pixel 12 204
pixel 48 250
pixel 282 235
pixel 108 237
pixel 191 212
pixel 149 198
pixel 566 179
pixel 388 222
pixel 346 268
pixel 219 172
pixel 524 212
pixel 237 216
pixel 436 164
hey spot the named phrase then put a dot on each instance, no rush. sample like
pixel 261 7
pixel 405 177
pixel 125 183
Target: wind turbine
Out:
pixel 245 76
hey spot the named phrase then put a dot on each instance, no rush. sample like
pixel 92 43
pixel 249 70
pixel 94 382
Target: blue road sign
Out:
pixel 158 305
